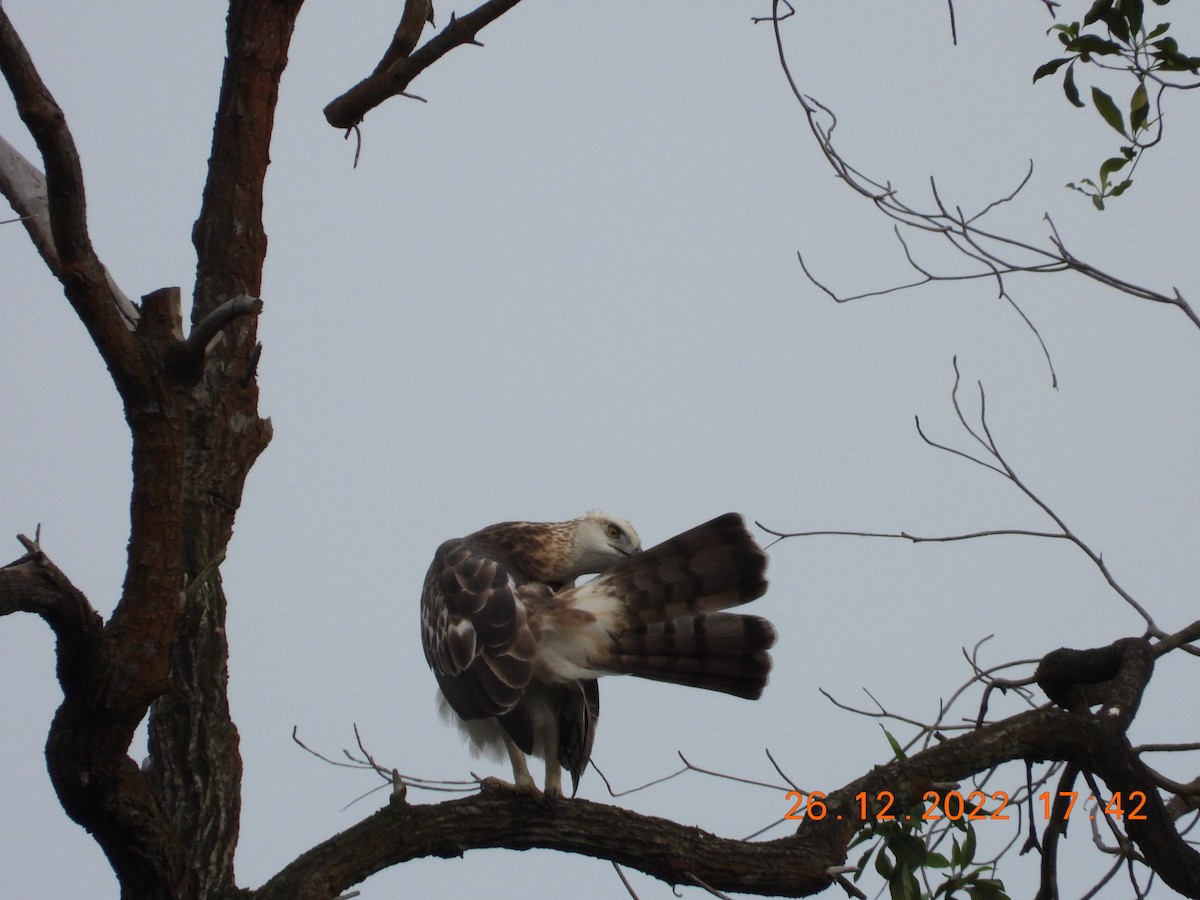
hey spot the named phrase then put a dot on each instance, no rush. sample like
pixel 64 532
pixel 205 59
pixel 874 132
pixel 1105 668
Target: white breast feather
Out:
pixel 568 652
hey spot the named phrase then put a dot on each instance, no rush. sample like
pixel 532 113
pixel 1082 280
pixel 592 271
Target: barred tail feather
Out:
pixel 713 566
pixel 717 652
pixel 658 614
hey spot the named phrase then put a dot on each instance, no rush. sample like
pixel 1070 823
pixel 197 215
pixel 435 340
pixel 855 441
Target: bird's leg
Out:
pixel 554 789
pixel 522 780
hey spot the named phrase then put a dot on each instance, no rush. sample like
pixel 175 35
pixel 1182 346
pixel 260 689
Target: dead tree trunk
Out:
pixel 192 407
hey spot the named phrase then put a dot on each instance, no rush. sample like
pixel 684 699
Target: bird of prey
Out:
pixel 517 646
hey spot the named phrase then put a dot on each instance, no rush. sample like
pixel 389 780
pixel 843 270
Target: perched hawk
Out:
pixel 516 646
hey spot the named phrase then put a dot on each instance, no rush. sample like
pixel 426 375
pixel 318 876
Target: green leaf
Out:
pixel 1066 33
pixel 1095 45
pixel 1177 62
pixel 1069 88
pixel 884 866
pixel 1139 108
pixel 862 863
pixel 1167 53
pixel 934 860
pixel 896 748
pixel 1159 30
pixel 1113 164
pixel 1108 110
pixel 987 889
pixel 1118 26
pixel 955 853
pixel 1096 13
pixel 909 850
pixel 1098 202
pixel 1121 188
pixel 914 887
pixel 1133 10
pixel 904 886
pixel 968 848
pixel 1050 68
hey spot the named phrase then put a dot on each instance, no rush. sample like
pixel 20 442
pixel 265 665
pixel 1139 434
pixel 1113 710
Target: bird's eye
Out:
pixel 614 532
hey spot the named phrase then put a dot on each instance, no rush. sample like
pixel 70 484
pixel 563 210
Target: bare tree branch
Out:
pixel 57 209
pixel 397 70
pixel 502 818
pixel 214 323
pixel 100 789
pixel 996 254
pixel 997 463
pixel 787 867
pixel 408 33
pixel 1181 638
pixel 24 186
pixel 915 538
pixel 34 584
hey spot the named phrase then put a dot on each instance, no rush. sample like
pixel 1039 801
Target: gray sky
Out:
pixel 569 281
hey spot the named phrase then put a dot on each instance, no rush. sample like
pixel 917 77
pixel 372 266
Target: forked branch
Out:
pixel 57 210
pixel 34 584
pixel 24 186
pixel 401 63
pixel 101 789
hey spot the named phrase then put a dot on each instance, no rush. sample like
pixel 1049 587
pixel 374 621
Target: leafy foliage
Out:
pixel 1115 36
pixel 904 857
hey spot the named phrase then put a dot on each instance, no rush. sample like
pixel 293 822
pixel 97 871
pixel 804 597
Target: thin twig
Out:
pixel 736 778
pixel 625 881
pixel 989 250
pixel 633 790
pixel 914 538
pixel 1167 748
pixel 782 774
pixel 389 775
pixel 712 890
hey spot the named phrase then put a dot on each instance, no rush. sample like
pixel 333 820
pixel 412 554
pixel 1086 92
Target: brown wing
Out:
pixel 477 638
pixel 577 715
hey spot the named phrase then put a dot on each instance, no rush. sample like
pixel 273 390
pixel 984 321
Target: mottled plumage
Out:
pixel 517 647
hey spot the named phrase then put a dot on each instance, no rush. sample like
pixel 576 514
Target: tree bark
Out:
pixel 195 765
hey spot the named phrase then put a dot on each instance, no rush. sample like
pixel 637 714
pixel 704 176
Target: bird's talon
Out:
pixel 491 783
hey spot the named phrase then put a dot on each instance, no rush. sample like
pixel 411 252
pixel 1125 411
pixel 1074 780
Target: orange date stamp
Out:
pixel 952 805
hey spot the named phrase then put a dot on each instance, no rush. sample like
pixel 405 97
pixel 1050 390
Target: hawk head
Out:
pixel 601 541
